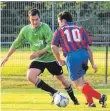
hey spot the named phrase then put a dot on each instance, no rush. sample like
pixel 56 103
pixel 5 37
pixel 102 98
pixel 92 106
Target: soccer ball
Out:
pixel 61 100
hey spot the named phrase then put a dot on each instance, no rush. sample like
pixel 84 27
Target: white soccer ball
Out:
pixel 61 100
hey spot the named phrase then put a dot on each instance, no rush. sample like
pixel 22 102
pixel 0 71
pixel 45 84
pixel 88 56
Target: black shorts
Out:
pixel 53 67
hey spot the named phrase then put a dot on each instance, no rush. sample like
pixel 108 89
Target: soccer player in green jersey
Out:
pixel 39 36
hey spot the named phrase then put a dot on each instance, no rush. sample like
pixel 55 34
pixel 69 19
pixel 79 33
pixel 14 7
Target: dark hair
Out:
pixel 65 15
pixel 33 12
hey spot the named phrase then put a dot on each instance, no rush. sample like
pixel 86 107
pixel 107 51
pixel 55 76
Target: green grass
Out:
pixel 37 100
pixel 19 61
pixel 13 73
pixel 18 94
pixel 21 81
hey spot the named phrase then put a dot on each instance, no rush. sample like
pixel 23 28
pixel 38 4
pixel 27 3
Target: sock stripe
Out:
pixel 37 83
pixel 69 90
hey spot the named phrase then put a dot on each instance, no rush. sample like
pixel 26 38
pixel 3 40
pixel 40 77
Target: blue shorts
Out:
pixel 74 61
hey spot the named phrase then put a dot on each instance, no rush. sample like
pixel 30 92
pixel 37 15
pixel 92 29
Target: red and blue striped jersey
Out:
pixel 71 37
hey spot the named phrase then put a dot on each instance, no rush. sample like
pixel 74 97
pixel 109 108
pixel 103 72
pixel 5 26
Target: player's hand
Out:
pixel 95 68
pixel 61 62
pixel 3 62
pixel 34 55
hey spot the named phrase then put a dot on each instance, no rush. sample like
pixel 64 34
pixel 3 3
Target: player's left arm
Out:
pixel 91 58
pixel 88 43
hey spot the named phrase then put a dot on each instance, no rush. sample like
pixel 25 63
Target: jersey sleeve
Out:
pixel 87 38
pixel 56 40
pixel 48 38
pixel 20 40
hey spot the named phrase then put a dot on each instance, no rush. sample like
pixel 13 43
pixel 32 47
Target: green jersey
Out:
pixel 38 38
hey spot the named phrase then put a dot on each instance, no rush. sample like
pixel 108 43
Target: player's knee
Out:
pixel 32 75
pixel 63 81
pixel 60 77
pixel 29 78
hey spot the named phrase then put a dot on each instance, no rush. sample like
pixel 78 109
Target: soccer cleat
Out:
pixel 76 101
pixel 90 105
pixel 52 102
pixel 103 100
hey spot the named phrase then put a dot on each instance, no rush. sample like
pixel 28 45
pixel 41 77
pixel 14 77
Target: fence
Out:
pixel 93 16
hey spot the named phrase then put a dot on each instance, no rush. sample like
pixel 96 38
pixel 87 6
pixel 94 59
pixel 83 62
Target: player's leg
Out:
pixel 67 86
pixel 56 70
pixel 95 94
pixel 90 93
pixel 82 87
pixel 74 66
pixel 102 98
pixel 32 75
pixel 77 66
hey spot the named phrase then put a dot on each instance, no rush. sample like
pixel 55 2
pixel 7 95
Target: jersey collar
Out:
pixel 37 27
pixel 67 23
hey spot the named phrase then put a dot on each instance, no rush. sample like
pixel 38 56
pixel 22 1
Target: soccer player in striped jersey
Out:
pixel 75 43
pixel 39 36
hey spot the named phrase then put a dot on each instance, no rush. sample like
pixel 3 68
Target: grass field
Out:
pixel 19 61
pixel 37 100
pixel 16 67
pixel 18 94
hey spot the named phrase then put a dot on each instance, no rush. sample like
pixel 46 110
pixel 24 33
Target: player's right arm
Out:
pixel 55 49
pixel 20 40
pixel 10 52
